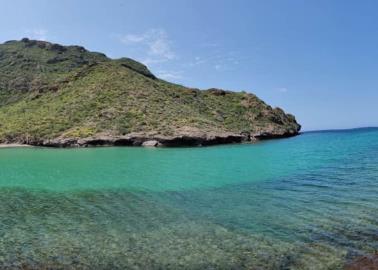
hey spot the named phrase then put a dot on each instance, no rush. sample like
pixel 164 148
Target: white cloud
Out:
pixel 169 75
pixel 151 60
pixel 219 60
pixel 195 62
pixel 210 44
pixel 161 47
pixel 282 89
pixel 154 48
pixel 130 38
pixel 199 61
pixel 39 34
pixel 218 67
pixel 156 45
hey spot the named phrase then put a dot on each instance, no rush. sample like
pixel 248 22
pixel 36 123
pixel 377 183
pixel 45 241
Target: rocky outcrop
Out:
pixel 151 143
pixel 156 140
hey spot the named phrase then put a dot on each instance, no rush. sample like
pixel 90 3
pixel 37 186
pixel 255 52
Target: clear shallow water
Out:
pixel 309 202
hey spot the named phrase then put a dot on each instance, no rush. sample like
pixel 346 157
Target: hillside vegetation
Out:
pixel 58 95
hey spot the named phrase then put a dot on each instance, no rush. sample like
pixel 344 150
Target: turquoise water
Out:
pixel 309 202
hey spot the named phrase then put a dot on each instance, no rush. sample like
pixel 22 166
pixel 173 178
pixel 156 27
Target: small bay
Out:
pixel 308 202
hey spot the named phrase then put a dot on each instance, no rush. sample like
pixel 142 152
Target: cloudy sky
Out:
pixel 316 59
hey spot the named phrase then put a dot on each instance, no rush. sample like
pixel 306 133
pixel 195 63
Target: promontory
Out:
pixel 63 96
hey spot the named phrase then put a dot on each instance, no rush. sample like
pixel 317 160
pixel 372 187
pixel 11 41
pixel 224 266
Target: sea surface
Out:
pixel 308 202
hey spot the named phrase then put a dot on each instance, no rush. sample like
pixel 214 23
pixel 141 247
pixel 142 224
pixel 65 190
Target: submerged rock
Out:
pixel 364 263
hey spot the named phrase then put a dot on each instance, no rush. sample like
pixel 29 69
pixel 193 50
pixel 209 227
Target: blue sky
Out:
pixel 315 59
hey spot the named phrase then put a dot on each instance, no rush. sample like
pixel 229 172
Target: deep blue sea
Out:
pixel 308 202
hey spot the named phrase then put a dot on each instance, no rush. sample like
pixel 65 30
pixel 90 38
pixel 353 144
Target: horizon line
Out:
pixel 338 129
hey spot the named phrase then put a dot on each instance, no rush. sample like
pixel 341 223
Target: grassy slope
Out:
pixel 48 92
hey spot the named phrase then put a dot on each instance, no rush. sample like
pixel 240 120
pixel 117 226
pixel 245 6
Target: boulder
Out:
pixel 151 143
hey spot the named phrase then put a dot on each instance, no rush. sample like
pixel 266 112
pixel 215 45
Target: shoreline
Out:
pixel 14 145
pixel 146 141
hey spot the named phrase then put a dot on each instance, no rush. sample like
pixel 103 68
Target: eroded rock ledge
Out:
pixel 156 140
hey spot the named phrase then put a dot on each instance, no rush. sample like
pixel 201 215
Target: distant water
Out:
pixel 309 202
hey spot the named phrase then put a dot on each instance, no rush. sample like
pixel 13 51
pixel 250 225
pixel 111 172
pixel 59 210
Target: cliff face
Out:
pixel 56 95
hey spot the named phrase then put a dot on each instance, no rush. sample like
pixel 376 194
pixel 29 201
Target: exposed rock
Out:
pixel 134 65
pixel 149 140
pixel 217 92
pixel 151 143
pixel 154 140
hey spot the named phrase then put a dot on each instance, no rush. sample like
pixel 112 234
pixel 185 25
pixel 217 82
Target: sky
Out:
pixel 317 59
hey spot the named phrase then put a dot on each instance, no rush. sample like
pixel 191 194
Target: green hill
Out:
pixel 56 95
